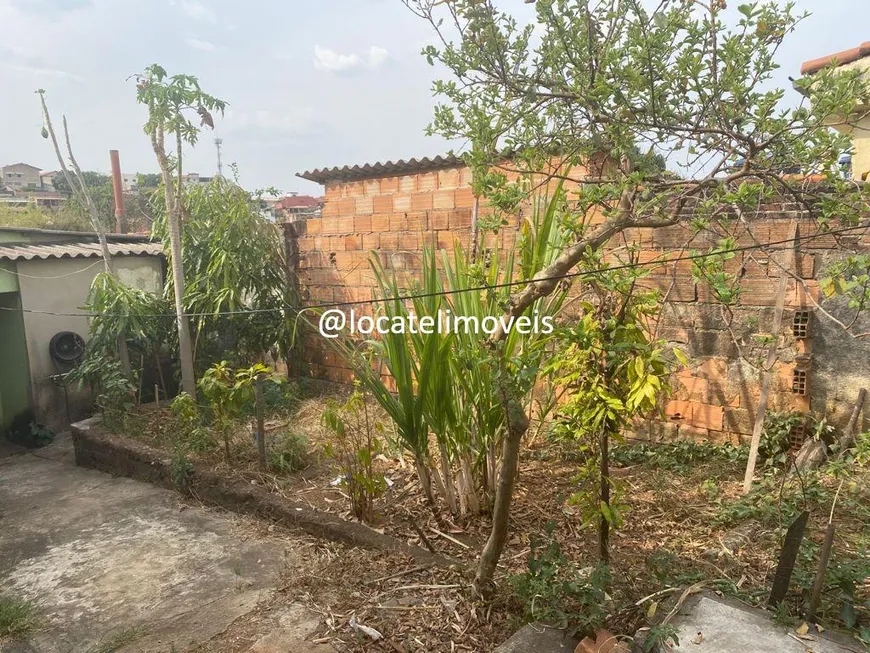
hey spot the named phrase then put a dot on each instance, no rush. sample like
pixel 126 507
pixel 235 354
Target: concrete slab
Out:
pixel 535 638
pixel 713 625
pixel 110 559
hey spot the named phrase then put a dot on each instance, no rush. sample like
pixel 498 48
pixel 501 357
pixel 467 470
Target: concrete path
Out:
pixel 710 624
pixel 115 564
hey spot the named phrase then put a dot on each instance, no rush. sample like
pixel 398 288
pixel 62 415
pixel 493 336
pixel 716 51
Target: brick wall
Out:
pixel 714 399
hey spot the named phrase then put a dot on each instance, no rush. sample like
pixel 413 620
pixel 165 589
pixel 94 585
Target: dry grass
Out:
pixel 687 522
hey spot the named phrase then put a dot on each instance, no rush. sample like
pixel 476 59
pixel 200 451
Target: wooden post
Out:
pixel 790 549
pixel 821 574
pixel 261 428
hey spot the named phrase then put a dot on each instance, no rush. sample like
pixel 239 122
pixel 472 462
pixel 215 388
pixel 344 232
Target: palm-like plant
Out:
pixel 443 380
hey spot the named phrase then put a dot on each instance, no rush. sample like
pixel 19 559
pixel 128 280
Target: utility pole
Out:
pixel 218 143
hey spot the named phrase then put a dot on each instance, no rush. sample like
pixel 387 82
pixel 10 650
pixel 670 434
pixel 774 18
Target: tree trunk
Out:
pixel 604 524
pixel 545 282
pixel 761 411
pixel 517 425
pixel 173 213
pixel 185 351
pixel 123 353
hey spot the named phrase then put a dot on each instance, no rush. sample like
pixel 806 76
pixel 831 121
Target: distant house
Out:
pixel 20 176
pixel 46 179
pixel 295 207
pixel 40 198
pixel 130 182
pixel 45 277
pixel 858 124
pixel 194 178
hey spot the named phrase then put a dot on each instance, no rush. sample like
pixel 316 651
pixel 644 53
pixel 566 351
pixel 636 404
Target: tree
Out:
pixel 170 101
pixel 233 262
pixel 76 181
pixel 593 83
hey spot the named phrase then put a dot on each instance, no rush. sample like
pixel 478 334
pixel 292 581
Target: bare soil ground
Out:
pixel 686 523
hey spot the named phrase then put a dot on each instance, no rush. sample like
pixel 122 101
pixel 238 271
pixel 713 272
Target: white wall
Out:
pixel 62 286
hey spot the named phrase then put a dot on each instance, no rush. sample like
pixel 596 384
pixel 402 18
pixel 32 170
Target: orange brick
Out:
pixel 429 239
pixel 346 206
pixel 427 181
pixel 801 296
pixel 421 201
pixel 759 292
pixel 336 243
pixel 329 226
pixel 365 205
pixel 466 177
pixel 362 223
pixel 444 198
pixel 460 219
pixel 464 198
pixel 409 242
pixel 313 226
pixel 448 178
pixel 438 220
pixel 330 208
pixel 345 224
pixel 372 187
pixel 371 241
pixel 679 410
pixel 713 369
pixel 446 239
pixel 414 221
pixel 706 416
pixel 380 223
pixel 389 185
pixel 401 202
pixel 353 189
pixel 407 184
pixel 383 204
pixel 331 191
pixel 352 243
pixel 389 241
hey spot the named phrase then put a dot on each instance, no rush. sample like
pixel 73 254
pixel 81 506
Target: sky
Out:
pixel 309 83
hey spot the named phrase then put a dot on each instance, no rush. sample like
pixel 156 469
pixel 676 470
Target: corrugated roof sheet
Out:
pixel 76 250
pixel 387 169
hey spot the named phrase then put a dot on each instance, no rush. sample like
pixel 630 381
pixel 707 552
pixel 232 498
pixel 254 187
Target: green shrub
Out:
pixel 679 456
pixel 181 469
pixel 558 592
pixel 289 454
pixel 354 446
pixel 189 423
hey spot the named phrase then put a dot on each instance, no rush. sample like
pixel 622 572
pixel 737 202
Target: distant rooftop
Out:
pixel 387 169
pixel 298 202
pixel 838 58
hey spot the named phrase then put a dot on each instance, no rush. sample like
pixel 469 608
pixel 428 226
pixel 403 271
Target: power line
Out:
pixel 506 284
pixel 57 276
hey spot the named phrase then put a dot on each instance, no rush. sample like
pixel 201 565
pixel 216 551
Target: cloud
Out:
pixel 42 72
pixel 288 120
pixel 195 10
pixel 333 62
pixel 46 7
pixel 199 44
